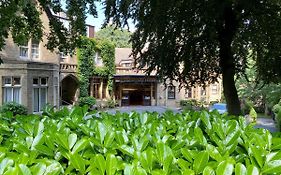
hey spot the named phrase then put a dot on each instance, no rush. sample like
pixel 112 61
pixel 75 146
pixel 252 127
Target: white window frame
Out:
pixel 39 86
pixel 12 86
pixel 98 59
pixel 27 51
pixel 35 55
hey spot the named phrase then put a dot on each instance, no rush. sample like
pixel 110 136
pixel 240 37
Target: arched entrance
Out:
pixel 69 87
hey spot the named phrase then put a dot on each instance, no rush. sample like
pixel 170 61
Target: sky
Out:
pixel 97 22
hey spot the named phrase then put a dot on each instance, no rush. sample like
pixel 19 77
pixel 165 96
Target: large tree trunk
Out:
pixel 226 33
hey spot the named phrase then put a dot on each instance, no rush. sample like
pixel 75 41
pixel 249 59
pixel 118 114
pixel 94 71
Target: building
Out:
pixel 33 76
pixel 132 87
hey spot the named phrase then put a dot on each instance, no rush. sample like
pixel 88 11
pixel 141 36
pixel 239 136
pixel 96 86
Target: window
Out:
pixel 11 89
pixel 24 50
pixel 35 49
pixel 214 89
pixel 188 93
pixel 171 92
pixel 40 91
pixel 203 91
pixel 98 59
pixel 96 87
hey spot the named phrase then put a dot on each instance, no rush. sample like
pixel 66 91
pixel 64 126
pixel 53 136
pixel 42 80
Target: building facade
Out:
pixel 34 77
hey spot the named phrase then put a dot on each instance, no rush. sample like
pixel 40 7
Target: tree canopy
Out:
pixel 193 42
pixel 120 38
pixel 196 42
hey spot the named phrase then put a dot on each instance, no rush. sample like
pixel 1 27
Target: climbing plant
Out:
pixel 86 65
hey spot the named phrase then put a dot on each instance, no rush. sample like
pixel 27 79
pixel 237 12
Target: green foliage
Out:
pixel 111 103
pixel 206 39
pixel 120 38
pixel 246 106
pixel 89 101
pixel 86 65
pixel 253 115
pixel 277 113
pixel 14 108
pixel 149 143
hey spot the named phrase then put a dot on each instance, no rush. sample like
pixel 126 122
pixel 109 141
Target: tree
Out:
pixel 120 38
pixel 196 42
pixel 21 19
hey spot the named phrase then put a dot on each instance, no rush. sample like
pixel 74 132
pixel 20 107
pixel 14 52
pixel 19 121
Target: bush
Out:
pixel 246 107
pixel 111 103
pixel 15 108
pixel 253 115
pixel 89 101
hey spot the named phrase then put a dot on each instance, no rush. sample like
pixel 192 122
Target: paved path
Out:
pixel 141 109
pixel 266 123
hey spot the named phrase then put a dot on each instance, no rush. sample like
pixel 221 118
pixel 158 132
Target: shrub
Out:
pixel 15 108
pixel 89 101
pixel 246 107
pixel 253 115
pixel 111 103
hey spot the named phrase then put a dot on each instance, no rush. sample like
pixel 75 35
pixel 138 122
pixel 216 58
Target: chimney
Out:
pixel 91 31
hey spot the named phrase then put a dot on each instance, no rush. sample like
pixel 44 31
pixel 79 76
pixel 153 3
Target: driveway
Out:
pixel 141 109
pixel 266 123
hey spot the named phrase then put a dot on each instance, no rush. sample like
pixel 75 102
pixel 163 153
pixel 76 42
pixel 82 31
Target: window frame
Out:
pixel 171 92
pixel 39 86
pixel 37 55
pixel 12 86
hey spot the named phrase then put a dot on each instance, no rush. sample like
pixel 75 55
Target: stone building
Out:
pixel 33 76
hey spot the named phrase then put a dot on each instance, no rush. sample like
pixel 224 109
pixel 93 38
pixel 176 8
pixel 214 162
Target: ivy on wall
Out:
pixel 86 65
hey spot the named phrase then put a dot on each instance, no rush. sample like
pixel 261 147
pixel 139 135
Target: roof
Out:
pixel 122 54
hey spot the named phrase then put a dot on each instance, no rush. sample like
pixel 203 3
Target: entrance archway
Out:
pixel 69 87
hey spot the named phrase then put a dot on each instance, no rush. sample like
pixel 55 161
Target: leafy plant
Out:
pixel 253 115
pixel 90 101
pixel 15 108
pixel 75 141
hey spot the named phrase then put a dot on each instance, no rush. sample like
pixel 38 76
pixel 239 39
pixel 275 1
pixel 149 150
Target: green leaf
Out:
pixel 200 161
pixel 5 163
pixel 78 162
pixel 62 140
pixel 188 172
pixel 72 138
pixel 183 164
pixel 44 150
pixel 224 168
pixel 252 170
pixel 214 153
pixel 111 164
pixel 24 169
pixel 240 169
pixel 80 145
pixel 187 154
pixel 209 171
pixel 38 169
pixel 258 155
pixel 54 169
pixel 109 138
pixel 37 140
pixel 271 167
pixel 199 135
pixel 100 163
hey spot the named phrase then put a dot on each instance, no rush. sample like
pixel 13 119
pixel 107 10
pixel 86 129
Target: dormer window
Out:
pixel 35 49
pixel 24 50
pixel 126 63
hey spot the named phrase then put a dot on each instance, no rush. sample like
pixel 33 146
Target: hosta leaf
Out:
pixel 24 169
pixel 128 170
pixel 72 138
pixel 139 171
pixel 111 164
pixel 200 161
pixel 208 171
pixel 240 169
pixel 252 170
pixel 224 168
pixel 38 169
pixel 271 167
